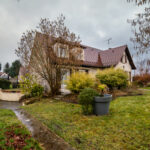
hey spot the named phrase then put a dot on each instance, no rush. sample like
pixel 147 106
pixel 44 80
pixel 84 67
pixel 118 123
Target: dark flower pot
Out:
pixel 101 104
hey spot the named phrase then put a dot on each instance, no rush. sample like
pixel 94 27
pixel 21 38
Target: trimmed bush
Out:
pixel 113 78
pixel 78 81
pixel 4 84
pixel 86 99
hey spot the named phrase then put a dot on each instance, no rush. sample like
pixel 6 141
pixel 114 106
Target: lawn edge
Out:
pixel 54 142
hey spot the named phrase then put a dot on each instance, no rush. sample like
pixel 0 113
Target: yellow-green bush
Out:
pixel 78 81
pixel 113 78
pixel 29 86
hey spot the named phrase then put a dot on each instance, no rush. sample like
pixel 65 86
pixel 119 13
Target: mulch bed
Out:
pixel 70 98
pixel 16 141
pixel 73 98
pixel 128 92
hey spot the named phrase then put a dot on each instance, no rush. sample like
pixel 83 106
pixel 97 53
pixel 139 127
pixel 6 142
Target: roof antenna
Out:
pixel 108 40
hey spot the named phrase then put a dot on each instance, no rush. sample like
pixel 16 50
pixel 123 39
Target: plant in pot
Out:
pixel 101 102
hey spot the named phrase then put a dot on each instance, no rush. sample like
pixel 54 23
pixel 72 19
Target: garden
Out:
pixel 124 126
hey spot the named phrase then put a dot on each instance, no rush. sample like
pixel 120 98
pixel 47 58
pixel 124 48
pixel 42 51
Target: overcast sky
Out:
pixel 93 20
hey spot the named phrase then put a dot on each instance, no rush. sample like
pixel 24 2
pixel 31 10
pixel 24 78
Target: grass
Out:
pixel 147 88
pixel 127 127
pixel 13 135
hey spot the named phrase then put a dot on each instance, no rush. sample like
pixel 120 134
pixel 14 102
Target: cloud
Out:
pixel 95 21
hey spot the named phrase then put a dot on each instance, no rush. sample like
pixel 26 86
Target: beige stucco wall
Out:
pixel 125 66
pixel 93 71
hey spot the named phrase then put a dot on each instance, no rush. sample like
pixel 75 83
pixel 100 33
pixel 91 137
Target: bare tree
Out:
pixel 49 51
pixel 143 66
pixel 141 32
pixel 141 36
pixel 139 2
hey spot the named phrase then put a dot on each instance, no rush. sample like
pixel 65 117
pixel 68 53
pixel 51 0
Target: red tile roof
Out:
pixel 91 54
pixel 110 57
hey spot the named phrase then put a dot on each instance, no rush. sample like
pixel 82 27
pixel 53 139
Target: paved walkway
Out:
pixel 47 139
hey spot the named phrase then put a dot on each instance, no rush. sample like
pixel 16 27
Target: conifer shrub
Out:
pixel 86 99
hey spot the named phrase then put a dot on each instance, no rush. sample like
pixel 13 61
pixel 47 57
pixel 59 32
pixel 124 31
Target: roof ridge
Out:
pixel 86 46
pixel 116 47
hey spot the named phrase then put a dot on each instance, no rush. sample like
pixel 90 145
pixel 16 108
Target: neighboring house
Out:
pixel 94 59
pixel 3 75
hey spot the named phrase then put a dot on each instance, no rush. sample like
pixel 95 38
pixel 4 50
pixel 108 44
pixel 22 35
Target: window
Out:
pixel 124 59
pixel 62 52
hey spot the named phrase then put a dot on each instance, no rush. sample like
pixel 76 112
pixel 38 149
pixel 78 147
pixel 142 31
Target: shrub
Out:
pixel 37 90
pixel 11 86
pixel 142 80
pixel 29 86
pixel 113 78
pixel 4 84
pixel 148 84
pixel 86 99
pixel 78 81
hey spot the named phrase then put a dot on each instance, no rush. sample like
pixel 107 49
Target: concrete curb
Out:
pixel 48 139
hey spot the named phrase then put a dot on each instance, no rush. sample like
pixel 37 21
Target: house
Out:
pixel 3 75
pixel 94 59
pixel 118 57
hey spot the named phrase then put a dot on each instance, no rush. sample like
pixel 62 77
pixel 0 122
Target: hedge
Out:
pixel 4 84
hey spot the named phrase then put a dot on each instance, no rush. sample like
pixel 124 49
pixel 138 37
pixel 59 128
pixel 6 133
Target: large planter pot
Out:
pixel 101 104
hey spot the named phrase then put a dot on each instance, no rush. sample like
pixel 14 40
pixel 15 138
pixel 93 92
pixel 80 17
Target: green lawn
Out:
pixel 148 88
pixel 13 135
pixel 127 127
